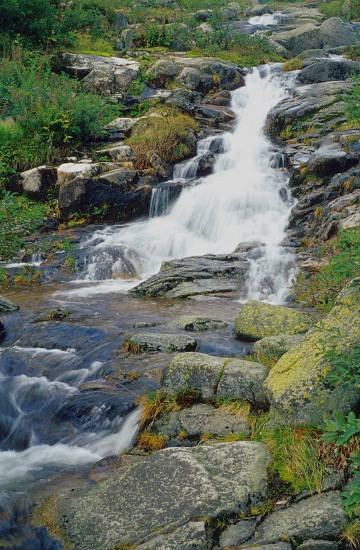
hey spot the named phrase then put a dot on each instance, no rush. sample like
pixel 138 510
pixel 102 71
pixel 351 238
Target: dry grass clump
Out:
pixel 165 135
pixel 292 65
pixel 150 441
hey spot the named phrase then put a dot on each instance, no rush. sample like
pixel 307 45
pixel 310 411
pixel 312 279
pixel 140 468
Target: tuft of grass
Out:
pixel 352 533
pixel 154 404
pixel 164 135
pixel 292 65
pixel 92 45
pixel 236 407
pixel 131 346
pixel 151 441
pixel 296 456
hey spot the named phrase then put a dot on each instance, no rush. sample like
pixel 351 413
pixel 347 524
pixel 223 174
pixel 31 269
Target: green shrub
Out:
pixel 353 103
pixel 43 115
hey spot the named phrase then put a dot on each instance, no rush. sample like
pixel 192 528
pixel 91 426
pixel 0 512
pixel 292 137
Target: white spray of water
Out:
pixel 266 19
pixel 241 202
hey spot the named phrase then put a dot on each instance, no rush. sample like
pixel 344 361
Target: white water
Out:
pixel 241 202
pixel 266 19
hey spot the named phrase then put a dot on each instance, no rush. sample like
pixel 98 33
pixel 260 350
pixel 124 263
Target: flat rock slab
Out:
pixel 197 275
pixel 160 342
pixel 196 324
pixel 169 489
pixel 321 516
pixel 257 320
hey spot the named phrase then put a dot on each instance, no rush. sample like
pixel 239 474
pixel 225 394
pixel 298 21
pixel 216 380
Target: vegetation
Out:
pixel 292 65
pixel 165 135
pixel 353 103
pixel 343 265
pixel 151 441
pixel 349 9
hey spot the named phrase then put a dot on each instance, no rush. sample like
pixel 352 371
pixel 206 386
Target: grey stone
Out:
pixel 7 306
pixel 196 324
pixel 331 158
pixel 203 419
pixel 191 536
pixel 237 533
pixel 257 320
pixel 202 15
pixel 336 32
pixel 162 342
pixel 162 168
pixel 37 182
pixel 273 347
pixel 231 12
pixel 162 72
pixel 277 546
pixel 196 275
pixel 195 371
pixel 167 490
pixel 121 178
pixel 305 37
pixel 321 516
pixel 120 20
pixel 243 380
pixel 328 69
pixel 258 9
pixel 126 40
pixel 119 153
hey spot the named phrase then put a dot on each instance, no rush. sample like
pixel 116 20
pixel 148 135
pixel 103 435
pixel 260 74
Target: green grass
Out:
pixel 87 44
pixel 321 289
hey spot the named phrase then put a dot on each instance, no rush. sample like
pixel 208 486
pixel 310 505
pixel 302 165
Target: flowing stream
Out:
pixel 59 410
pixel 246 199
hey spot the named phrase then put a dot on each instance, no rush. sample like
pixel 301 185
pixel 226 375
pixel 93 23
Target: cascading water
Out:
pixel 245 199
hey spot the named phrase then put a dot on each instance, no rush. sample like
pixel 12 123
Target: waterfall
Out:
pixel 160 201
pixel 266 19
pixel 246 199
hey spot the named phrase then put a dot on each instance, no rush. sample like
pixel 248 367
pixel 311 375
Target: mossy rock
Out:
pixel 272 348
pixel 258 320
pixel 298 387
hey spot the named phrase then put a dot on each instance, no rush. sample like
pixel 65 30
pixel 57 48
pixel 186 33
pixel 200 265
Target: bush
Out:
pixel 353 103
pixel 165 135
pixel 43 115
pixel 321 289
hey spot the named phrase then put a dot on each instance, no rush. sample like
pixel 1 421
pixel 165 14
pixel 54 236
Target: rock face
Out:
pixel 191 536
pixel 258 320
pixel 319 517
pixel 297 387
pixel 162 342
pixel 170 488
pixel 216 376
pixel 37 182
pixel 200 275
pixel 328 69
pixel 7 306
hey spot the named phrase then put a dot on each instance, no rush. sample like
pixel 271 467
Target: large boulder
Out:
pixel 319 517
pixel 243 380
pixel 35 183
pixel 257 320
pixel 328 70
pixel 273 347
pixel 304 37
pixel 335 32
pixel 297 387
pixel 196 275
pixel 331 158
pixel 166 491
pixel 70 170
pixel 91 195
pixel 196 324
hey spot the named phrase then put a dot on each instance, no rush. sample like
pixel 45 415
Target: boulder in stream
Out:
pixel 7 306
pixel 196 275
pixel 154 342
pixel 196 324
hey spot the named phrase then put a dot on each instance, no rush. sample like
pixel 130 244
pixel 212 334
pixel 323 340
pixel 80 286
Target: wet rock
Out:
pixel 328 69
pixel 304 37
pixel 7 306
pixel 273 347
pixel 161 342
pixel 257 320
pixel 196 324
pixel 237 533
pixel 277 546
pixel 336 32
pixel 198 275
pixel 243 380
pixel 167 490
pixel 319 544
pixel 321 516
pixel 119 153
pixel 196 371
pixel 87 194
pixel 331 158
pixel 297 386
pixel 192 536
